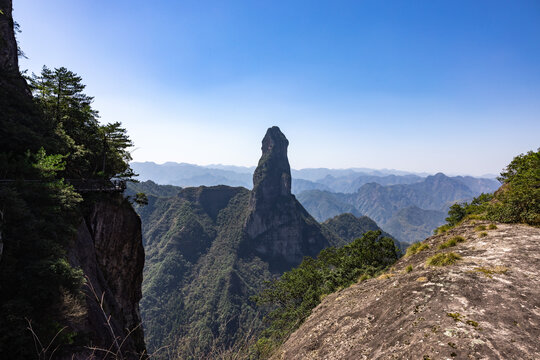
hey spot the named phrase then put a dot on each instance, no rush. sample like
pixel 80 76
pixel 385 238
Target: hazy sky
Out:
pixel 450 86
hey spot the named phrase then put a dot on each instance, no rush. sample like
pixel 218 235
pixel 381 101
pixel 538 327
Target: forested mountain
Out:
pixel 300 185
pixel 412 223
pixel 349 227
pixel 324 204
pixel 409 206
pixel 209 249
pixel 191 175
pixel 351 183
pixel 407 211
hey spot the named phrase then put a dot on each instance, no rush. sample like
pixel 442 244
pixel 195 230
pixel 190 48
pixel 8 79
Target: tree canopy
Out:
pixel 516 201
pixel 46 138
pixel 92 150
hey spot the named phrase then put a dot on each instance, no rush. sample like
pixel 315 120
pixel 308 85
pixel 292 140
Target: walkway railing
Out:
pixel 85 185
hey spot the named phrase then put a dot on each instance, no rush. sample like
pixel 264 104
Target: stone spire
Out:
pixel 272 178
pixel 279 228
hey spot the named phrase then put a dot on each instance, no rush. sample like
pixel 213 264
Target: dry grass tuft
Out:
pixel 452 242
pixel 489 271
pixel 386 276
pixel 416 248
pixel 443 259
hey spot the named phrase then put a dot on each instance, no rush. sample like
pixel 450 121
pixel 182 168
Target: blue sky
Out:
pixel 450 86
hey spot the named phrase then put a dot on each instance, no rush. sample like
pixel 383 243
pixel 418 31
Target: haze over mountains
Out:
pixel 334 180
pixel 406 205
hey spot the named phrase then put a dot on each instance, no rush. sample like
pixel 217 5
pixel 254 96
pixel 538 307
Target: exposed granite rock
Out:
pixel 486 306
pixel 109 250
pixel 9 60
pixel 280 230
pixel 20 122
pixel 272 177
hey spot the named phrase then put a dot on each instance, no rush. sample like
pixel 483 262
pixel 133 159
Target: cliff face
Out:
pixel 20 123
pixel 279 228
pixel 485 306
pixel 108 248
pixel 36 282
pixel 8 46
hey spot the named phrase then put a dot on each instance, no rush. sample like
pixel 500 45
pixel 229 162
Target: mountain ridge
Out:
pixel 387 205
pixel 335 180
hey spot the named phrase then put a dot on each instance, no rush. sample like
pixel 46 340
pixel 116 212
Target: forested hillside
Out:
pixel 54 246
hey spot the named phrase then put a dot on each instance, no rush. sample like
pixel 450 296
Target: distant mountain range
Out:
pixel 406 205
pixel 407 211
pixel 332 180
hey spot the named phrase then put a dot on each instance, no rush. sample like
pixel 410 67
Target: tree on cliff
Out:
pixel 93 150
pixel 43 140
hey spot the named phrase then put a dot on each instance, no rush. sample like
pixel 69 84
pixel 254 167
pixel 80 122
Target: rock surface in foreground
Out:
pixel 486 306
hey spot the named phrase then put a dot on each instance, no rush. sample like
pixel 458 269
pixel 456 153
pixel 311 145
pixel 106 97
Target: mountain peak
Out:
pixel 272 177
pixel 280 229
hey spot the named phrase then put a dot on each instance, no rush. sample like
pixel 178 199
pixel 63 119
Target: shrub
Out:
pixel 483 234
pixel 492 227
pixel 442 229
pixel 386 276
pixel 443 259
pixel 480 228
pixel 516 201
pixel 416 248
pixel 451 242
pixel 408 269
pixel 518 198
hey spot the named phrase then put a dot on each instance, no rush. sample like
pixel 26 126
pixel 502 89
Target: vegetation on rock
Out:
pixel 298 291
pixel 443 259
pixel 517 201
pixel 45 139
pixel 451 242
pixel 416 248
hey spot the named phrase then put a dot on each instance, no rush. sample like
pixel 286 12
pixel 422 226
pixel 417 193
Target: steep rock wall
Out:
pixel 108 248
pixel 279 229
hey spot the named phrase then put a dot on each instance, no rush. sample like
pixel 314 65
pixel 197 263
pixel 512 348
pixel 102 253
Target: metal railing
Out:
pixel 84 185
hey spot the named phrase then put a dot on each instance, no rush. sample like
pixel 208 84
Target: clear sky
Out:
pixel 451 86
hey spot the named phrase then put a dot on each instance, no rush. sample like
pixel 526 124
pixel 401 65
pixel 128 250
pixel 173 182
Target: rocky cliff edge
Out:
pixel 484 306
pixel 108 249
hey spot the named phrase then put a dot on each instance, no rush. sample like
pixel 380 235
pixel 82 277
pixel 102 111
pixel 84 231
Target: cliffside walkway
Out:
pixel 83 185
